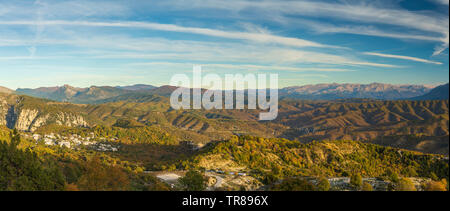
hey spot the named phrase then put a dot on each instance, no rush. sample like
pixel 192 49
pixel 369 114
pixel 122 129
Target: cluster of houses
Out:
pixel 73 141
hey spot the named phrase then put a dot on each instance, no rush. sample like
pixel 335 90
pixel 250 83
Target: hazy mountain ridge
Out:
pixel 71 94
pixel 438 93
pixel 347 91
pixel 96 94
pixel 137 87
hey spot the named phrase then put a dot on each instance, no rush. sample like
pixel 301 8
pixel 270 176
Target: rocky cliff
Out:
pixel 14 114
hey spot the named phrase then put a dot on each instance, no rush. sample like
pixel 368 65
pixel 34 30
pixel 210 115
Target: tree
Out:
pixel 323 184
pixel 405 184
pixel 356 181
pixel 366 187
pixel 392 176
pixel 294 184
pixel 23 170
pixel 193 181
pixel 99 177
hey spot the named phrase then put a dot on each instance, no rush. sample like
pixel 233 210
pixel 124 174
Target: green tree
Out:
pixel 356 181
pixel 405 184
pixel 323 184
pixel 24 171
pixel 193 181
pixel 366 187
pixel 99 177
pixel 294 184
pixel 392 176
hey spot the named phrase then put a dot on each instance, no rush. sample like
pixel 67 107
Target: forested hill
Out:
pixel 415 125
pixel 279 158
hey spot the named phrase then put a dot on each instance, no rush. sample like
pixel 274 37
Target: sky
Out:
pixel 124 42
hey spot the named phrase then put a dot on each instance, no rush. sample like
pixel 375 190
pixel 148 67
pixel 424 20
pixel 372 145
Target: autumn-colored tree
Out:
pixel 356 181
pixel 99 177
pixel 294 184
pixel 366 187
pixel 405 184
pixel 71 187
pixel 436 185
pixel 323 184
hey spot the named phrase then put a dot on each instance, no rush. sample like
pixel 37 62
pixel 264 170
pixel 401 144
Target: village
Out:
pixel 74 141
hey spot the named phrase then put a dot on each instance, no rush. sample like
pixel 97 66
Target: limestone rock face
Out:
pixel 70 120
pixel 25 119
pixel 13 115
pixel 3 111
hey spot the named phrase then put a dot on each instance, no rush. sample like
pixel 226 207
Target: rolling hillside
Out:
pixel 415 125
pixel 5 90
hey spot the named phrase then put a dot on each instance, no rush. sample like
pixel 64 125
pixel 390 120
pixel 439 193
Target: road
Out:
pixel 219 180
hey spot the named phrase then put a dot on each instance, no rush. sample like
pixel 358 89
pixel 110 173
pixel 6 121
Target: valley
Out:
pixel 137 133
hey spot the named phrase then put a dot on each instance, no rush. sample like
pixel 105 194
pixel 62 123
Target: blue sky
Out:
pixel 123 42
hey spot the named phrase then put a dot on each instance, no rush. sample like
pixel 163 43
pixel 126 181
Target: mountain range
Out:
pixel 346 91
pixel 92 94
pixel 378 91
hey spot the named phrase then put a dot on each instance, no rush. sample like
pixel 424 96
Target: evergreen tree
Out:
pixel 356 181
pixel 23 170
pixel 193 181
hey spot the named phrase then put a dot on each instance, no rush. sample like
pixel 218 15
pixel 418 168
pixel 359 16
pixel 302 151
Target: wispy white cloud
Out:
pixel 124 47
pixel 367 30
pixel 57 9
pixel 367 12
pixel 250 67
pixel 256 37
pixel 444 2
pixel 403 57
pixel 357 12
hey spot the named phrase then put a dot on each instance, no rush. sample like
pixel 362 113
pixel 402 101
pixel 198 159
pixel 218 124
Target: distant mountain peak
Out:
pixel 343 91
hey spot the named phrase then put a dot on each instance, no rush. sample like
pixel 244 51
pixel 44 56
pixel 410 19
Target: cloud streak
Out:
pixel 363 12
pixel 255 37
pixel 444 2
pixel 251 67
pixel 403 58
